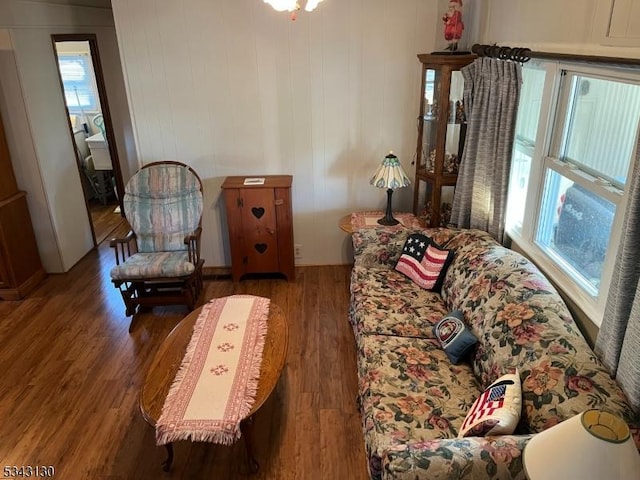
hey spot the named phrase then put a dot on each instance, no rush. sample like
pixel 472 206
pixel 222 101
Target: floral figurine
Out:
pixel 453 25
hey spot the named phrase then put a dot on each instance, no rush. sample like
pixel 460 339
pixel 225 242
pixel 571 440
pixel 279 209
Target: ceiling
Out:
pixel 79 3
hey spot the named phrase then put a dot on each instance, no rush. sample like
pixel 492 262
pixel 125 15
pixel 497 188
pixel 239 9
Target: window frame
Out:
pixel 87 60
pixel 550 136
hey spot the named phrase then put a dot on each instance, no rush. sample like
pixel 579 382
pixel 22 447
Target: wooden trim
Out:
pixel 104 108
pixel 595 59
pixel 216 272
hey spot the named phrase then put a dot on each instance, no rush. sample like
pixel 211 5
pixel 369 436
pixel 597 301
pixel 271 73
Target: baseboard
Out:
pixel 216 272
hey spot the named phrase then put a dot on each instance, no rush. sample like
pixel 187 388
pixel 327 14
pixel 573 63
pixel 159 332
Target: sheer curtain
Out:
pixel 618 342
pixel 491 95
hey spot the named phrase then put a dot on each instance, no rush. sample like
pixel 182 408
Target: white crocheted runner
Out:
pixel 216 384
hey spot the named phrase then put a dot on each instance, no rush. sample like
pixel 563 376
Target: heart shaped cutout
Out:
pixel 261 247
pixel 257 212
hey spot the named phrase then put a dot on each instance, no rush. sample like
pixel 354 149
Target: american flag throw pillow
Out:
pixel 424 261
pixel 497 410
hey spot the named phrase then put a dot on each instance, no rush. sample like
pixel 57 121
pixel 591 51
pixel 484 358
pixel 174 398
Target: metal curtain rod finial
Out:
pixel 521 55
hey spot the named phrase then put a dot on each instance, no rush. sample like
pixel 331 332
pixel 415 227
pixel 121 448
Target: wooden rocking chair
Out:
pixel 158 262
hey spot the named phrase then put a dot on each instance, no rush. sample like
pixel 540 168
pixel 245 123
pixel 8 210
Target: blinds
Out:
pixel 78 81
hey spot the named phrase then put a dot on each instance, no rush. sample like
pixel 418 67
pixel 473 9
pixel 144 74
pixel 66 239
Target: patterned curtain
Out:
pixel 618 342
pixel 491 95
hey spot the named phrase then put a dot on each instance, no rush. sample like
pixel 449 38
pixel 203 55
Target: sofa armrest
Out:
pixel 461 458
pixel 378 248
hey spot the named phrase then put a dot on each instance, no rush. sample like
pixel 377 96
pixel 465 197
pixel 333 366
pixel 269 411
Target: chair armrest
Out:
pixel 192 241
pixel 124 247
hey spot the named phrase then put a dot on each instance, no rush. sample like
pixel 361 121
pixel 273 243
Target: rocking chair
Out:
pixel 158 262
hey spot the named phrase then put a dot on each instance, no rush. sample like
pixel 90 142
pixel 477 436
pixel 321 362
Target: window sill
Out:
pixel 566 286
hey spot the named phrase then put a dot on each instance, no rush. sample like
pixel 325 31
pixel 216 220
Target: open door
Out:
pixel 91 130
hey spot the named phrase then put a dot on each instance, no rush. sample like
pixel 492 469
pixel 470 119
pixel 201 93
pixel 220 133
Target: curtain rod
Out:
pixel 523 55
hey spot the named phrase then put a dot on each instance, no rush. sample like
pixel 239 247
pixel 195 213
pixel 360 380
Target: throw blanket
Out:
pixel 216 384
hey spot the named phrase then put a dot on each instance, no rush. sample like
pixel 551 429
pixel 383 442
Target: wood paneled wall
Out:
pixel 236 88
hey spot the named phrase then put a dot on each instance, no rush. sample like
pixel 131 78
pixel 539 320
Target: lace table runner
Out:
pixel 370 220
pixel 217 381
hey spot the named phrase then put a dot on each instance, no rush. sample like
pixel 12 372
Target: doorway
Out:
pixel 91 130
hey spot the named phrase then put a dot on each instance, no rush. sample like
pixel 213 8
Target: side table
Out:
pixel 345 224
pixel 370 220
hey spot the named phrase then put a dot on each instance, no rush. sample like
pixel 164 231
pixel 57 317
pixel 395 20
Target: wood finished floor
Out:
pixel 104 219
pixel 71 376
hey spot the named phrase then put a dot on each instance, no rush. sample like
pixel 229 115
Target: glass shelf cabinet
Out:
pixel 441 131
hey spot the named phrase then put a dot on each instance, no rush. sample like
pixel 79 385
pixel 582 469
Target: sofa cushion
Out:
pixel 497 410
pixel 424 261
pixel 411 311
pixel 374 247
pixel 412 398
pixel 381 247
pixel 409 391
pixel 522 322
pixel 454 337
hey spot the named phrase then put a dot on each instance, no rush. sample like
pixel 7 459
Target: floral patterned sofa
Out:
pixel 413 400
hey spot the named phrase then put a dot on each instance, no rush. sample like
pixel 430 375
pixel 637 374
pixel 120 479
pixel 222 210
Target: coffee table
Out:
pixel 169 356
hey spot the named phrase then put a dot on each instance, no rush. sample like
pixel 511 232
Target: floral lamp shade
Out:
pixel 390 175
pixel 592 445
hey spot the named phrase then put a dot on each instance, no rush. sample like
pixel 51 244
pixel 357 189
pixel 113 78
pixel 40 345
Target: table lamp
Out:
pixel 592 445
pixel 390 175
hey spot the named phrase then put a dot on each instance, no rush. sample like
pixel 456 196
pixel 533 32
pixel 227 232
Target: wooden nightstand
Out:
pixel 259 218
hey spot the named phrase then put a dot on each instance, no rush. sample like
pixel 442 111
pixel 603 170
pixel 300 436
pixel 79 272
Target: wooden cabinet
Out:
pixel 20 266
pixel 441 132
pixel 260 225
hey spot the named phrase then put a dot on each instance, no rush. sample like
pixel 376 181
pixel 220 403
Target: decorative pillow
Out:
pixel 455 338
pixel 424 261
pixel 497 410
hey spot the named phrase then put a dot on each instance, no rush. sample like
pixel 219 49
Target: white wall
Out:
pixel 235 88
pixel 37 131
pixel 571 26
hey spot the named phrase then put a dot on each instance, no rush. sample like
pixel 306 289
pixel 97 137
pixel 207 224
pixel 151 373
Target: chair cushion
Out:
pixel 163 204
pixel 153 265
pixel 163 181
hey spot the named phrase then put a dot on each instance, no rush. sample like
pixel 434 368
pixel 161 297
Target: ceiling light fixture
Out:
pixel 292 6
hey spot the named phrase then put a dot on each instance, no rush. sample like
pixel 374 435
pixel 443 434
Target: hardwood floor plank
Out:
pixel 72 374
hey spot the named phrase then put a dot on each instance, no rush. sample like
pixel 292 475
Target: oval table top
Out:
pixel 169 356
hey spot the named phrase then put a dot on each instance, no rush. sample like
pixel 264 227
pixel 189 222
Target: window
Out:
pixel 575 137
pixel 524 146
pixel 79 83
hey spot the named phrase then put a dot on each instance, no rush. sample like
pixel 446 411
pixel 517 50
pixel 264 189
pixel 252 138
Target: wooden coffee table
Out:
pixel 167 361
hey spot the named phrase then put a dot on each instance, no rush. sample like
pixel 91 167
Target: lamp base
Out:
pixel 388 219
pixel 388 222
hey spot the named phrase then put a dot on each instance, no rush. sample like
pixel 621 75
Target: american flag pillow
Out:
pixel 497 410
pixel 424 261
